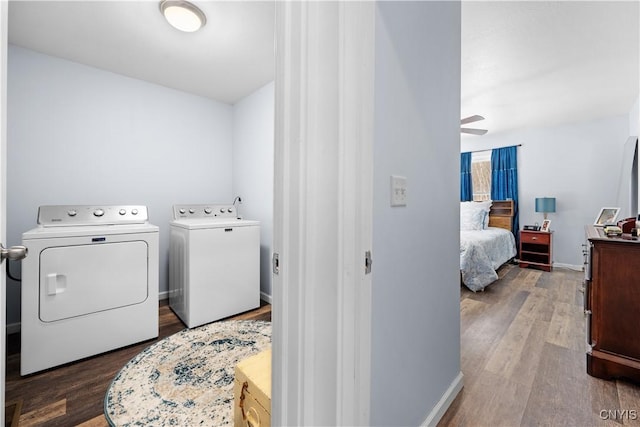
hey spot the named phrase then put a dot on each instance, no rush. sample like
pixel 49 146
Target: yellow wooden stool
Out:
pixel 252 391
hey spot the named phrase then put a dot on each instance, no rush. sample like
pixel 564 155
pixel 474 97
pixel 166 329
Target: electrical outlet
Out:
pixel 398 190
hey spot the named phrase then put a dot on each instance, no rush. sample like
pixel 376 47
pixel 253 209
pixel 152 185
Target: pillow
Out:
pixel 485 206
pixel 472 219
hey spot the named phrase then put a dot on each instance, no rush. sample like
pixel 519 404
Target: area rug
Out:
pixel 185 379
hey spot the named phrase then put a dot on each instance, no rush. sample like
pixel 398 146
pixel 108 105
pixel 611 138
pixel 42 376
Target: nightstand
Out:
pixel 536 249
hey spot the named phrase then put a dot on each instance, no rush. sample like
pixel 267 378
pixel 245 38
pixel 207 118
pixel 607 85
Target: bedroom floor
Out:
pixel 523 357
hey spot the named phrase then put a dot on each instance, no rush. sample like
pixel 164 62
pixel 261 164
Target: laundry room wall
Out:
pixel 80 135
pixel 253 127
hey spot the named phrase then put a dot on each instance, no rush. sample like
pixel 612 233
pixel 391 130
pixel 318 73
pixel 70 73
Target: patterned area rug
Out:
pixel 185 379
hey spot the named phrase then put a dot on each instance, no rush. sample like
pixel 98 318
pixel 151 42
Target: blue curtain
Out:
pixel 466 186
pixel 504 179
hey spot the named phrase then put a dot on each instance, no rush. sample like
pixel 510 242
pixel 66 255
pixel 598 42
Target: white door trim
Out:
pixel 3 192
pixel 356 110
pixel 323 212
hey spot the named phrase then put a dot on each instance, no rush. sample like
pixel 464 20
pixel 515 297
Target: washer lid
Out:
pixel 203 223
pixel 88 230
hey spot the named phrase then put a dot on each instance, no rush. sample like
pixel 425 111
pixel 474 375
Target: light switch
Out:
pixel 398 190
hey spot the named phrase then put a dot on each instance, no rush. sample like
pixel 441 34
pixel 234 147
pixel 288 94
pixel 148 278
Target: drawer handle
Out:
pixel 534 238
pixel 245 385
pixel 250 416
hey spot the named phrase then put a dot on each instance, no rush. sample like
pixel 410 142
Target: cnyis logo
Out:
pixel 618 414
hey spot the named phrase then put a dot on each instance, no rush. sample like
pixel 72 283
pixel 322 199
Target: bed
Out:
pixel 486 241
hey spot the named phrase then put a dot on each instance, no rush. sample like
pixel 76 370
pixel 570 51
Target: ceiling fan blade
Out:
pixel 471 119
pixel 474 131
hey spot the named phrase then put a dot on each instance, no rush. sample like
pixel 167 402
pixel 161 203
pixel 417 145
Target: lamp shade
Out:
pixel 545 204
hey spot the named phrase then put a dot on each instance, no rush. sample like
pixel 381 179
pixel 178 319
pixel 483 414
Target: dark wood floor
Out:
pixel 523 357
pixel 73 394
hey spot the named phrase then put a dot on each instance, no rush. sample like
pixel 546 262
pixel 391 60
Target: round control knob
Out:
pixel 98 212
pixel 192 211
pixel 230 210
pixel 222 210
pixel 208 211
pixel 72 212
pixel 182 211
pixel 134 211
pixel 122 212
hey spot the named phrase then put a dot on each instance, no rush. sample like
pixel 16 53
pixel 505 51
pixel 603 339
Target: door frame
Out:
pixel 308 67
pixel 323 209
pixel 3 193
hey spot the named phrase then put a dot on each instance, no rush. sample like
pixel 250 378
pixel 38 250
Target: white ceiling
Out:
pixel 533 64
pixel 524 64
pixel 230 57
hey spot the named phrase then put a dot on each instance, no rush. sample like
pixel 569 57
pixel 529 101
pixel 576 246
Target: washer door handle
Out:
pixel 13 253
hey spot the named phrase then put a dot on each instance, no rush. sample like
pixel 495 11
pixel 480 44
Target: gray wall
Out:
pixel 416 288
pixel 634 118
pixel 253 131
pixel 579 164
pixel 79 135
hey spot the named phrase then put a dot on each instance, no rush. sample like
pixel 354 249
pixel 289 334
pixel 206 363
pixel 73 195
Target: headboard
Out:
pixel 501 214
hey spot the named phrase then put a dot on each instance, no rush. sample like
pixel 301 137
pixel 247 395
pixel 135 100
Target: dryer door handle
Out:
pixel 13 253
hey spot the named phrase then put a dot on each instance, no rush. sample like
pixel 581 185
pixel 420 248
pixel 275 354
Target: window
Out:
pixel 481 175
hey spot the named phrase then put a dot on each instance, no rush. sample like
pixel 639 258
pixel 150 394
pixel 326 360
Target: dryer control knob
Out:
pixel 192 211
pixel 208 211
pixel 98 212
pixel 72 212
pixel 134 211
pixel 222 210
pixel 182 211
pixel 122 212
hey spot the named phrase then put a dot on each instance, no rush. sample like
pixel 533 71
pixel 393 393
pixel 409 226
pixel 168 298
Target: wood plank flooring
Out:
pixel 523 357
pixel 72 395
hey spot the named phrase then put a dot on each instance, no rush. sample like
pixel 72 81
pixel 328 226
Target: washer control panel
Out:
pixel 204 211
pixel 67 215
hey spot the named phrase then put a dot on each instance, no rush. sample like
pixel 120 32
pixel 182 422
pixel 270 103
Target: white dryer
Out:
pixel 214 266
pixel 89 284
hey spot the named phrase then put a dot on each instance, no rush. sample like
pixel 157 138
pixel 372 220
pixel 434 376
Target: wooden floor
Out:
pixel 73 394
pixel 523 357
pixel 523 360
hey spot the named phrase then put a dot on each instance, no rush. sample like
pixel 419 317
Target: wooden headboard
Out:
pixel 501 214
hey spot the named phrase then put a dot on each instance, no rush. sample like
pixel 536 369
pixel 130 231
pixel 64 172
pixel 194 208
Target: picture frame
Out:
pixel 545 225
pixel 606 216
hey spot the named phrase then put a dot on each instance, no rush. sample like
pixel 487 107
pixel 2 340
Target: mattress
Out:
pixel 482 252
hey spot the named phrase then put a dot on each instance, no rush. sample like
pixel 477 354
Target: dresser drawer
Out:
pixel 539 238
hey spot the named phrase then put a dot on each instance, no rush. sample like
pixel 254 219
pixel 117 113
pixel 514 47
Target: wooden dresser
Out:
pixel 612 305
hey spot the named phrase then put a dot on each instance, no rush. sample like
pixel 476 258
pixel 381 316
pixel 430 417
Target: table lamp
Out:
pixel 545 205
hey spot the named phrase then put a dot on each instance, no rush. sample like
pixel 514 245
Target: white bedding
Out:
pixel 482 252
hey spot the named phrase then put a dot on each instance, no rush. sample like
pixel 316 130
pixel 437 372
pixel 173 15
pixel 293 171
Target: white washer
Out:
pixel 89 284
pixel 214 267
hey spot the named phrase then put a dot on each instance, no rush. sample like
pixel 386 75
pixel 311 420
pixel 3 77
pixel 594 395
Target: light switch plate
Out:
pixel 398 190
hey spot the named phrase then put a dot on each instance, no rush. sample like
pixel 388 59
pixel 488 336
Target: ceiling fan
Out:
pixel 472 131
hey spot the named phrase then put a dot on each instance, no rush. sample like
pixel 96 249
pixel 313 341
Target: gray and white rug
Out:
pixel 185 379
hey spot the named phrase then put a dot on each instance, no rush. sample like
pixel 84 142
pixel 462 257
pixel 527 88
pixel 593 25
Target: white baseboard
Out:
pixel 265 297
pixel 569 266
pixel 163 295
pixel 447 399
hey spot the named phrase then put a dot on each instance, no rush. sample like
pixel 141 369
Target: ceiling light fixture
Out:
pixel 183 15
